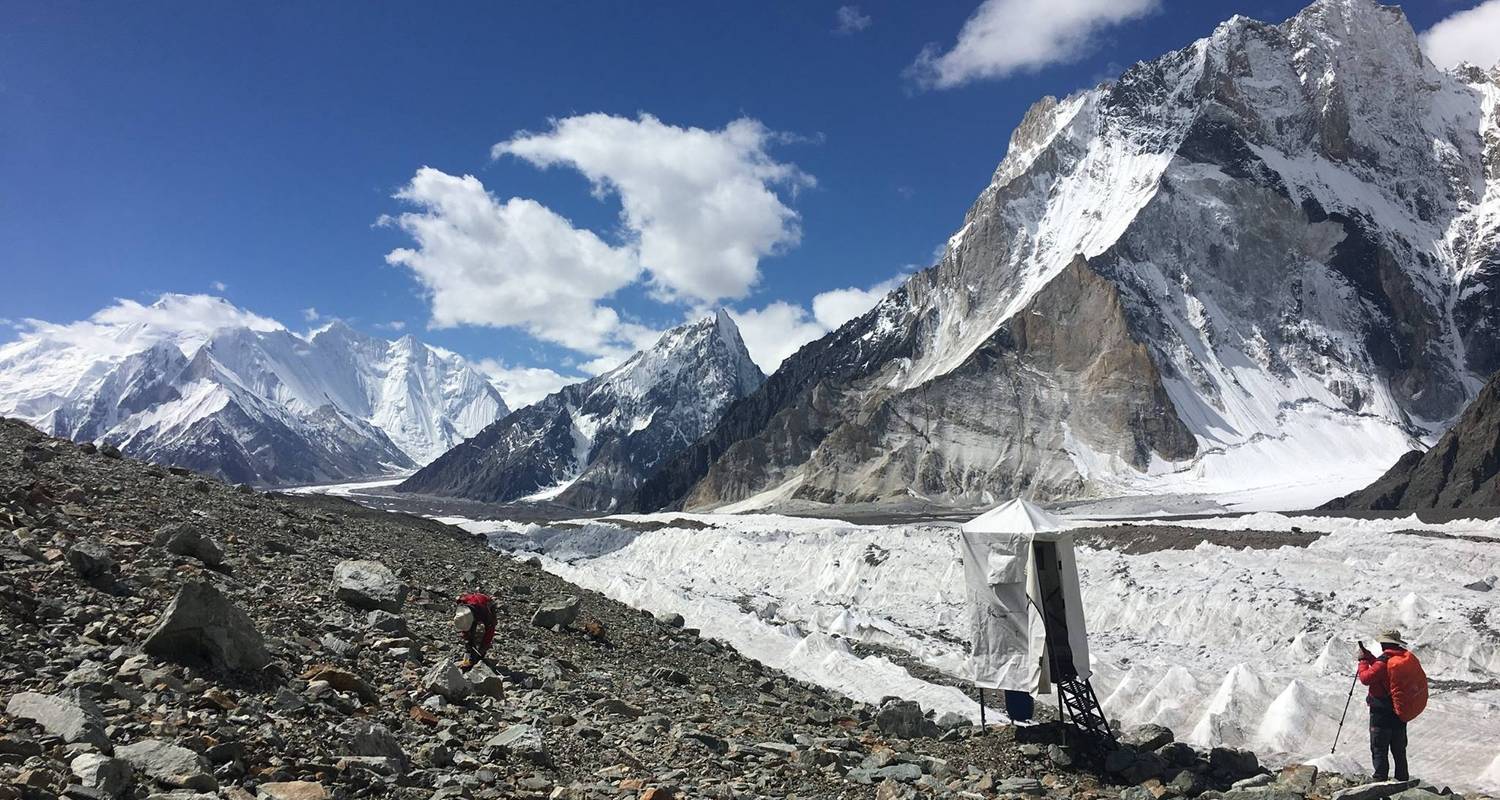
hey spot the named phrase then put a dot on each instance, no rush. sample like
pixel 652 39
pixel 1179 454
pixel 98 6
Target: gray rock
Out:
pixel 110 776
pixel 486 681
pixel 1188 783
pixel 370 739
pixel 92 561
pixel 1148 737
pixel 187 540
pixel 558 611
pixel 1420 793
pixel 672 620
pixel 70 714
pixel 1260 793
pixel 1136 793
pixel 447 680
pixel 386 622
pixel 369 585
pixel 1373 791
pixel 1059 756
pixel 201 626
pixel 905 773
pixel 904 718
pixel 1233 763
pixel 1179 754
pixel 292 790
pixel 952 719
pixel 1030 786
pixel 522 740
pixel 1297 778
pixel 1254 781
pixel 169 764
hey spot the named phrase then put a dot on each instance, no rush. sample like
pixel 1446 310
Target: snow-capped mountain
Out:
pixel 242 397
pixel 590 444
pixel 1267 262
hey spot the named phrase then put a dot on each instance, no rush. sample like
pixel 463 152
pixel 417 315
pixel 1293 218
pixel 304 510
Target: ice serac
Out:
pixel 1289 238
pixel 251 403
pixel 1461 471
pixel 591 443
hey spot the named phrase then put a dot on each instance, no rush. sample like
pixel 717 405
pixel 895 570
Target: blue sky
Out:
pixel 254 150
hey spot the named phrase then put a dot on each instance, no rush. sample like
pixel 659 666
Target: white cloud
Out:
pixel 1471 36
pixel 522 386
pixel 219 286
pixel 1003 37
pixel 187 320
pixel 780 328
pixel 775 332
pixel 834 308
pixel 700 206
pixel 394 325
pixel 849 19
pixel 511 264
pixel 311 314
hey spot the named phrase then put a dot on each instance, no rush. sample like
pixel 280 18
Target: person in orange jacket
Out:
pixel 1387 731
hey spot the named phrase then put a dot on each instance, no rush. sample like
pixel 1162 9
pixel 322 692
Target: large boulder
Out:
pixel 184 539
pixel 292 790
pixel 369 585
pixel 486 681
pixel 170 764
pixel 556 612
pixel 904 718
pixel 108 776
pixel 447 680
pixel 1148 737
pixel 201 626
pixel 93 562
pixel 70 714
pixel 522 740
pixel 371 739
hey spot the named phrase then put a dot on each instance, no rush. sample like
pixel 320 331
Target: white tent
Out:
pixel 1009 648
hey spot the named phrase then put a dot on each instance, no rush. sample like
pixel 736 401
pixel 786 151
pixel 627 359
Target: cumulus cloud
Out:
pixel 219 286
pixel 311 314
pixel 1471 36
pixel 395 325
pixel 700 207
pixel 512 263
pixel 780 329
pixel 187 320
pixel 1003 37
pixel 849 20
pixel 522 386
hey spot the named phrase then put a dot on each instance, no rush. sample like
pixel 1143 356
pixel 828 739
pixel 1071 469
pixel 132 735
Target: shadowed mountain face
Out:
pixel 591 443
pixel 1461 471
pixel 1288 236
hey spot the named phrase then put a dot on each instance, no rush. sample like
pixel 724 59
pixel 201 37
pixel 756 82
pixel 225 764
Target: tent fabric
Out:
pixel 1009 640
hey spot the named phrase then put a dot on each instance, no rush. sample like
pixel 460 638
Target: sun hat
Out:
pixel 463 618
pixel 1390 635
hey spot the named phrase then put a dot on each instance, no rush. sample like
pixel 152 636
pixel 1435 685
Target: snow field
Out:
pixel 1250 648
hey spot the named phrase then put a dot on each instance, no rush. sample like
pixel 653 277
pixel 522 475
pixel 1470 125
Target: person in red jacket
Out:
pixel 1387 731
pixel 475 621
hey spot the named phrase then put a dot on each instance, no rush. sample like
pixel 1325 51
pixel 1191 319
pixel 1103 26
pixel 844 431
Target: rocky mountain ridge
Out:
pixel 591 443
pixel 1461 471
pixel 246 399
pixel 171 636
pixel 1297 225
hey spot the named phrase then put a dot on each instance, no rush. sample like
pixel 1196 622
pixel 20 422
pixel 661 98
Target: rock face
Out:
pixel 1461 471
pixel 250 402
pixel 201 626
pixel 590 444
pixel 1288 238
pixel 369 585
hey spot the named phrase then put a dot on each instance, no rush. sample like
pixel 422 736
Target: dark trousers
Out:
pixel 1387 735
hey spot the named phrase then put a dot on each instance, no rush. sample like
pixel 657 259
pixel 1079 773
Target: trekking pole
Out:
pixel 1345 714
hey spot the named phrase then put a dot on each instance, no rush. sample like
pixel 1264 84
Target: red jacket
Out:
pixel 483 607
pixel 1373 673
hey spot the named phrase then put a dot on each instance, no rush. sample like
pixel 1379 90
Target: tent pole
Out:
pixel 981 709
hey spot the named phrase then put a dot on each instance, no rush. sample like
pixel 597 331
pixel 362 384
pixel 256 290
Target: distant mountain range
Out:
pixel 247 401
pixel 1267 262
pixel 589 445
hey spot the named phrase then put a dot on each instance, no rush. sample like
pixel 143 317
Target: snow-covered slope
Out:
pixel 243 397
pixel 1265 261
pixel 591 443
